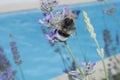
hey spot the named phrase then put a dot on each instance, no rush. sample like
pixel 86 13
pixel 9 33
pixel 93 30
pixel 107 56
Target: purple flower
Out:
pixel 47 6
pixel 117 38
pixel 7 75
pixel 4 62
pixel 5 67
pixel 15 52
pixel 107 41
pixel 75 75
pixel 88 68
pixel 110 11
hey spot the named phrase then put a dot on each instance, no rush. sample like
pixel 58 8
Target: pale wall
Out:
pixel 17 5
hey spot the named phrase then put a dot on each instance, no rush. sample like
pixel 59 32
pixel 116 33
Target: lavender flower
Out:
pixel 5 67
pixel 106 49
pixel 15 52
pixel 107 41
pixel 73 66
pixel 117 38
pixel 48 5
pixel 4 62
pixel 110 11
pixel 74 75
pixel 7 75
pixel 107 36
pixel 88 68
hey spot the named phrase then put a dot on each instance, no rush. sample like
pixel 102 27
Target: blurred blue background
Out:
pixel 40 62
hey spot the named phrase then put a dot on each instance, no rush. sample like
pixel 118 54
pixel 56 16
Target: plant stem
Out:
pixel 74 59
pixel 89 78
pixel 23 78
pixel 105 70
pixel 93 35
pixel 103 62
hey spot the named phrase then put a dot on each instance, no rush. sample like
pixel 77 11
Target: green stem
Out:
pixel 105 70
pixel 63 60
pixel 103 62
pixel 83 51
pixel 23 78
pixel 74 59
pixel 91 30
pixel 89 78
